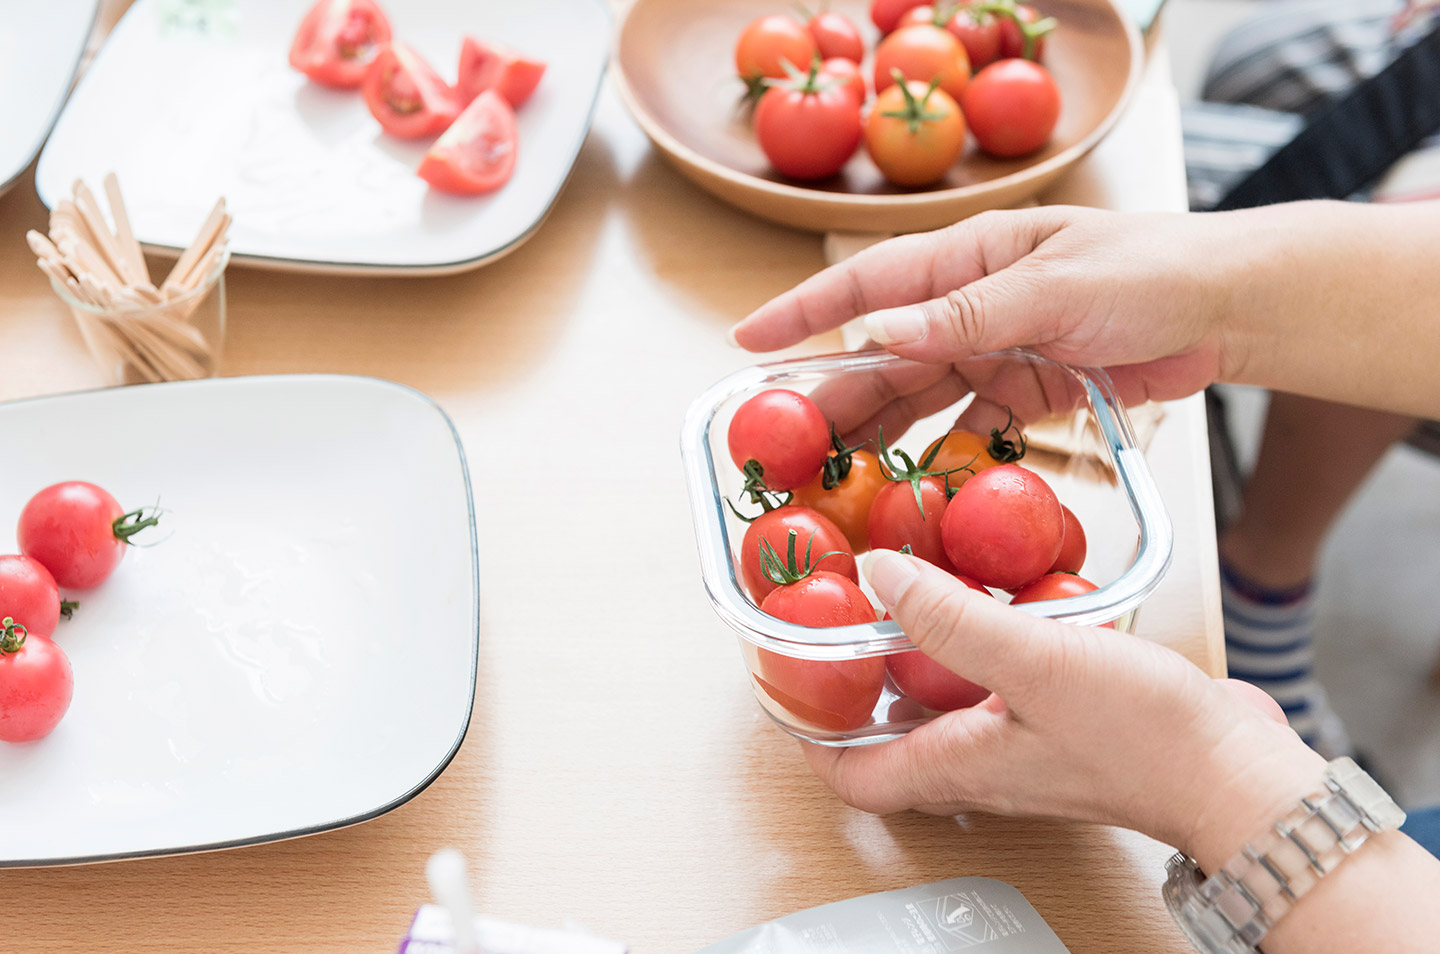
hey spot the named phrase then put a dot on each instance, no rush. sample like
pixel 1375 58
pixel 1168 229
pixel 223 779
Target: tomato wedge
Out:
pixel 477 153
pixel 337 41
pixel 406 95
pixel 491 66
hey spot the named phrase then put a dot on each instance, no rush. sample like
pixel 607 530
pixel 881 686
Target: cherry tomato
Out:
pixel 36 684
pixel 1053 586
pixel 847 75
pixel 847 503
pixel 406 96
pixel 962 449
pixel 785 433
pixel 491 66
pixel 337 40
pixel 770 42
pixel 28 595
pixel 1012 107
pixel 78 532
pixel 923 53
pixel 832 695
pixel 808 128
pixel 1003 527
pixel 814 532
pixel 896 520
pixel 835 36
pixel 917 16
pixel 886 14
pixel 1072 548
pixel 919 145
pixel 979 32
pixel 477 153
pixel 930 683
pixel 1012 36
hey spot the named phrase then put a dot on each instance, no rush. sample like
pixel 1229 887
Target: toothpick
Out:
pixel 203 239
pixel 129 245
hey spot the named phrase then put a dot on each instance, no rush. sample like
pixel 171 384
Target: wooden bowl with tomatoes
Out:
pixel 676 69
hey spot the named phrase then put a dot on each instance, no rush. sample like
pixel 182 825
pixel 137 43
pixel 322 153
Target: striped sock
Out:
pixel 1270 642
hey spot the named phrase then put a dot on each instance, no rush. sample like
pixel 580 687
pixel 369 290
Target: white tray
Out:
pixel 298 651
pixel 40 49
pixel 185 110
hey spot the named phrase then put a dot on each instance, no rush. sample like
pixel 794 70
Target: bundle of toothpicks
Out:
pixel 122 315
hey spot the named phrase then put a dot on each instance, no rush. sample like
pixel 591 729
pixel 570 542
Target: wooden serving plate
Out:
pixel 674 67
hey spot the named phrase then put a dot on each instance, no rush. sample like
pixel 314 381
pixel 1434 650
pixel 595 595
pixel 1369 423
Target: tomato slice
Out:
pixel 477 153
pixel 491 66
pixel 406 95
pixel 337 41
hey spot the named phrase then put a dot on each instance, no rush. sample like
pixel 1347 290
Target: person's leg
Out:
pixel 1313 456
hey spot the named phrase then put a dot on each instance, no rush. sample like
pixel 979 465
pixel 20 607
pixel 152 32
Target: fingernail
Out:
pixel 890 575
pixel 895 325
pixel 730 337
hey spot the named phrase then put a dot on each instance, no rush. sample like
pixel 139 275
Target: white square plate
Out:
pixel 297 650
pixel 40 49
pixel 186 109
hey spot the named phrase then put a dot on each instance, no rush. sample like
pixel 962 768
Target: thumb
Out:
pixel 987 642
pixel 1008 308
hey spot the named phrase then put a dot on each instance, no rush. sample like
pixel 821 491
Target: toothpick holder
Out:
pixel 142 339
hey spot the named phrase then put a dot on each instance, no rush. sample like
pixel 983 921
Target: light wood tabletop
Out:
pixel 617 772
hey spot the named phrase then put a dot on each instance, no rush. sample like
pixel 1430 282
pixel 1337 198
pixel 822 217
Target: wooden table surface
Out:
pixel 617 772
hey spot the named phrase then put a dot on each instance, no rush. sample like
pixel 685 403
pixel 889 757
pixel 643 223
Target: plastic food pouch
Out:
pixel 979 915
pixel 431 933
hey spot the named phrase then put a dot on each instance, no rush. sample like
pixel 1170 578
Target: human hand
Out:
pixel 1144 297
pixel 1086 724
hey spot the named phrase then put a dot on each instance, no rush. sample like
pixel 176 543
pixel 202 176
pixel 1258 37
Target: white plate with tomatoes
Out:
pixel 186 105
pixel 293 647
pixel 40 50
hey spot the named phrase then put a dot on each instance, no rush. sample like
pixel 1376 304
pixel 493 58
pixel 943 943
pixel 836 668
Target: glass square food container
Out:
pixel 1089 457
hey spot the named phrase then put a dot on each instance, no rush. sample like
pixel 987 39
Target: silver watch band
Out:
pixel 1229 912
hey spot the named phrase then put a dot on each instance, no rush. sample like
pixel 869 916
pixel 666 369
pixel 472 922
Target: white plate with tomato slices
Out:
pixel 188 104
pixel 293 649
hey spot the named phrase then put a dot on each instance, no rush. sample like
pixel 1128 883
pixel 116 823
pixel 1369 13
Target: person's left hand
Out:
pixel 1086 724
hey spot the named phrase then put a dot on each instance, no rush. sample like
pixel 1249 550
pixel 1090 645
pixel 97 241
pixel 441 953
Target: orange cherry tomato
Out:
pixel 767 42
pixel 847 502
pixel 923 52
pixel 914 139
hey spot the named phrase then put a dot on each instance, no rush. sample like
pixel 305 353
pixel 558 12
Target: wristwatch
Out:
pixel 1230 911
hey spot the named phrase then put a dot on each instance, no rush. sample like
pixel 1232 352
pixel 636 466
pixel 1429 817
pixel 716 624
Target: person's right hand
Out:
pixel 1095 725
pixel 1143 296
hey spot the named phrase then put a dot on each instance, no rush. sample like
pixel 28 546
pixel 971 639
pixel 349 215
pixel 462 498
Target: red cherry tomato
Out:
pixel 917 16
pixel 886 14
pixel 1012 38
pixel 846 75
pixel 477 153
pixel 1004 527
pixel 979 33
pixel 28 594
pixel 78 532
pixel 896 521
pixel 923 53
pixel 1072 548
pixel 831 695
pixel 491 66
pixel 406 96
pixel 770 42
pixel 813 531
pixel 785 433
pixel 36 684
pixel 848 502
pixel 930 683
pixel 808 128
pixel 1012 107
pixel 836 36
pixel 1053 586
pixel 337 40
pixel 920 147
